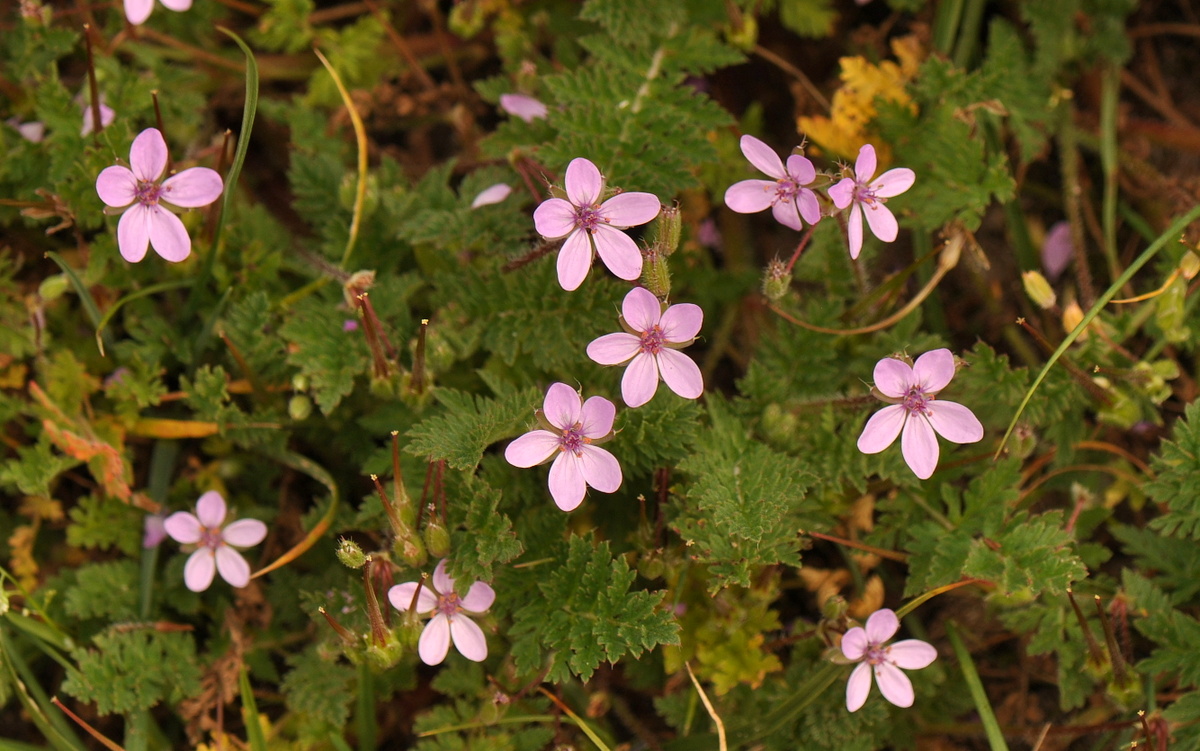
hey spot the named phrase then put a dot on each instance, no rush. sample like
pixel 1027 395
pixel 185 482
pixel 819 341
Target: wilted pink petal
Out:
pixel 869 648
pixel 107 115
pixel 523 106
pixel 491 195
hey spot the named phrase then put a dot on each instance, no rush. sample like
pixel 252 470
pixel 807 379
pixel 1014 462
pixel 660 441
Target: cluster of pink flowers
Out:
pixel 791 201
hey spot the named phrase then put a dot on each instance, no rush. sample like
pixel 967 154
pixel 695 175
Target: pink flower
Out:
pixel 523 106
pixel 154 530
pixel 867 648
pixel 1057 250
pixel 137 11
pixel 860 193
pixel 147 200
pixel 589 225
pixel 650 347
pixel 577 463
pixel 448 624
pixel 788 200
pixel 33 131
pixel 917 412
pixel 107 115
pixel 492 194
pixel 207 530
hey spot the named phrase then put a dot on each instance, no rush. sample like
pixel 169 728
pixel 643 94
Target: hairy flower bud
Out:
pixel 437 539
pixel 350 554
pixel 776 281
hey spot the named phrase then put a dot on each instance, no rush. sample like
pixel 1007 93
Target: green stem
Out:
pixel 945 25
pixel 990 726
pixel 365 713
pixel 1110 83
pixel 968 34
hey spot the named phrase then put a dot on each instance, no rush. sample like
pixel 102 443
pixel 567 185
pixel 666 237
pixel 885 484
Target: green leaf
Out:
pixel 329 356
pixel 1177 481
pixel 319 690
pixel 105 590
pixel 468 425
pixel 124 672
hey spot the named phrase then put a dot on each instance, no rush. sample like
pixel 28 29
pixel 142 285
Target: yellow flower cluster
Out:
pixel 847 128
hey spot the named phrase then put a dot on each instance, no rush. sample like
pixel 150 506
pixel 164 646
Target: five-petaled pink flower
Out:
pixel 864 195
pixel 917 412
pixel 573 428
pixel 137 11
pixel 147 200
pixel 786 195
pixel 867 647
pixel 206 529
pixel 650 347
pixel 590 225
pixel 448 624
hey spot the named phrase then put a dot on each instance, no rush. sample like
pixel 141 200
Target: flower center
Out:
pixel 587 217
pixel 876 654
pixel 448 604
pixel 573 440
pixel 865 195
pixel 210 537
pixel 916 400
pixel 786 189
pixel 652 340
pixel 147 193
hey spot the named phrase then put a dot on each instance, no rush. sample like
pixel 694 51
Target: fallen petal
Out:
pixel 491 195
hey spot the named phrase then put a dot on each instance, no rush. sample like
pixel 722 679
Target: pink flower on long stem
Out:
pixel 148 201
pixel 448 623
pixel 591 226
pixel 868 647
pixel 207 530
pixel 785 195
pixel 916 412
pixel 867 196
pixel 571 430
pixel 651 347
pixel 137 11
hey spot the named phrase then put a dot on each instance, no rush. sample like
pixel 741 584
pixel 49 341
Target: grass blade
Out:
pixel 990 726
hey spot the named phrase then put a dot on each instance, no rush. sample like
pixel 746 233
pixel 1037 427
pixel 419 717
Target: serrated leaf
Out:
pixel 468 425
pixel 123 671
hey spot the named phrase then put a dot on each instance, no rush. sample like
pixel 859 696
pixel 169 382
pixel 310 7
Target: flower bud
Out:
pixel 834 609
pixel 300 382
pixel 1023 442
pixel 384 655
pixel 437 539
pixel 656 275
pixel 776 281
pixel 300 407
pixel 409 548
pixel 1170 312
pixel 1039 290
pixel 52 287
pixel 350 554
pixel 1189 265
pixel 666 230
pixel 745 35
pixel 1071 316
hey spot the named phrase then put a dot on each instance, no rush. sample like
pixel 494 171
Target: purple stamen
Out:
pixel 210 537
pixel 587 217
pixel 449 604
pixel 573 440
pixel 148 193
pixel 916 400
pixel 652 340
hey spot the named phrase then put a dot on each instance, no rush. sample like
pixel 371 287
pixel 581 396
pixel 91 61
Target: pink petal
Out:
pixel 567 486
pixel 468 638
pixel 750 196
pixel 933 370
pixel 148 155
pixel 177 5
pixel 881 430
pixel 199 570
pixel 107 115
pixel 640 380
pixel 680 373
pixel 881 626
pixel 233 566
pixel 894 377
pixel 116 186
pixel 864 167
pixel 618 252
pixel 168 236
pixel 583 182
pixel 435 640
pixel 133 233
pixel 401 597
pixel 525 107
pixel 883 224
pixel 183 527
pixel 641 309
pixel 858 687
pixel 531 449
pixel 441 580
pixel 854 230
pixel 762 156
pixel 911 654
pixel 491 195
pixel 34 132
pixel 893 182
pixel 600 469
pixel 842 193
pixel 597 418
pixel 574 261
pixel 210 509
pixel 244 533
pixel 787 214
pixel 630 209
pixel 562 406
pixel 192 188
pixel 1057 250
pixel 554 218
pixel 137 11
pixel 680 323
pixel 854 643
pixel 614 349
pixel 954 422
pixel 479 598
pixel 801 169
pixel 919 446
pixel 810 207
pixel 894 684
